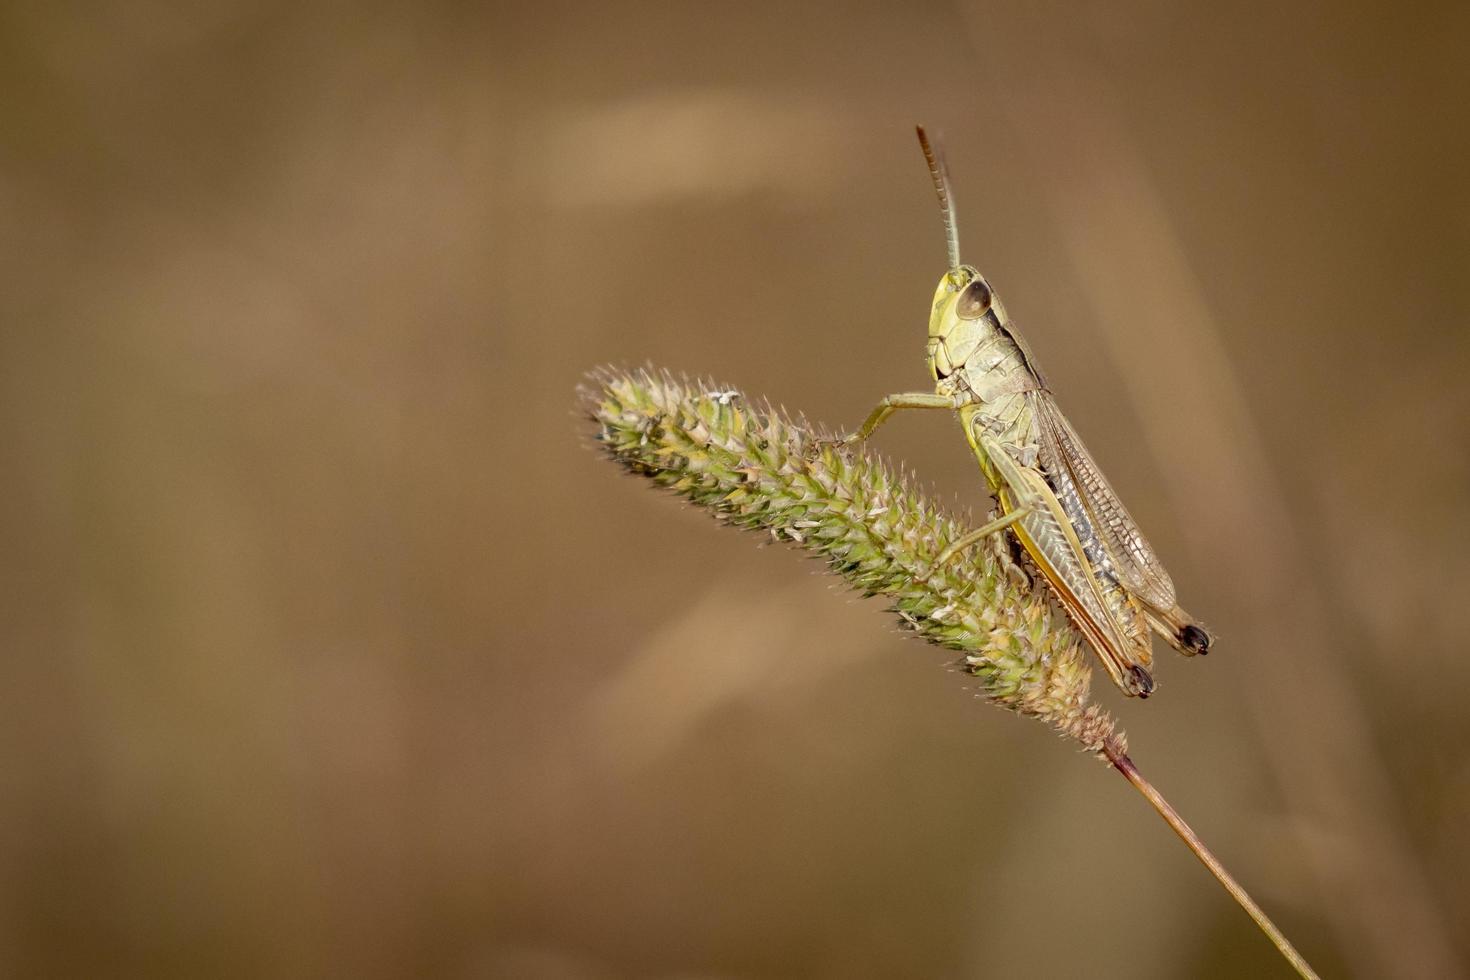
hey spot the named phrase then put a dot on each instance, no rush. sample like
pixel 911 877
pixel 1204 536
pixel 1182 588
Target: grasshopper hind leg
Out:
pixel 1196 639
pixel 1107 617
pixel 1181 631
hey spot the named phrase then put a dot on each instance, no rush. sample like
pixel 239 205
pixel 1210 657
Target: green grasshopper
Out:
pixel 1051 494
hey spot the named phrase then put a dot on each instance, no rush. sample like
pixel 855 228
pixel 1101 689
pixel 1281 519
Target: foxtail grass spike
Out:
pixel 755 468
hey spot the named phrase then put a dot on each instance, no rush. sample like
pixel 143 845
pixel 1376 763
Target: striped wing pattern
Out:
pixel 1134 563
pixel 1049 538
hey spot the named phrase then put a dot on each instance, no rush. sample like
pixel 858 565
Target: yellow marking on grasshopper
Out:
pixel 1051 494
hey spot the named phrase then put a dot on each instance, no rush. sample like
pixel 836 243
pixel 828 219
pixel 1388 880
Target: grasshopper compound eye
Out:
pixel 975 301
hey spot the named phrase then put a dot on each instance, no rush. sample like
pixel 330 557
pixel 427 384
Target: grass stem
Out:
pixel 1124 765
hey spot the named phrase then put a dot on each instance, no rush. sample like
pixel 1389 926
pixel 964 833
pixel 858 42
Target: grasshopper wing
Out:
pixel 1134 563
pixel 1048 537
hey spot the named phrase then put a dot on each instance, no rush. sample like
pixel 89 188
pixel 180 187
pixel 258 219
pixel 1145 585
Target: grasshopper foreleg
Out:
pixel 891 404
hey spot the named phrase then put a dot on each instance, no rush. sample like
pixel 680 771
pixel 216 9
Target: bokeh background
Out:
pixel 330 649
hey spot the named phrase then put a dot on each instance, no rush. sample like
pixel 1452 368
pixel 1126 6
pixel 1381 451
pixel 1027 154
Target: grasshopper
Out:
pixel 1051 494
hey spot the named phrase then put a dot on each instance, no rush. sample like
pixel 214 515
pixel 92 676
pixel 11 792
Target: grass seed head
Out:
pixel 754 467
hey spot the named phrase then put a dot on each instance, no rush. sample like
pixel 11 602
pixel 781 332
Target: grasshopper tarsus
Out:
pixel 814 447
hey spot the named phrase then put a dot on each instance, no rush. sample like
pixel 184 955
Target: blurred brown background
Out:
pixel 331 650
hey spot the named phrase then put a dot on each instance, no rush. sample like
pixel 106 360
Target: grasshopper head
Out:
pixel 957 322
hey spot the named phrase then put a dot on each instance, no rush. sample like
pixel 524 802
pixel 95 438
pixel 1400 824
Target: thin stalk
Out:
pixel 1124 765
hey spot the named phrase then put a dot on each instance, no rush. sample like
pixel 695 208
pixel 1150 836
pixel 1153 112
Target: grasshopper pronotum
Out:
pixel 1051 494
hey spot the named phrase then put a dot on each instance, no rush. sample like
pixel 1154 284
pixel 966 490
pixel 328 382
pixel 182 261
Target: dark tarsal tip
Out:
pixel 1142 680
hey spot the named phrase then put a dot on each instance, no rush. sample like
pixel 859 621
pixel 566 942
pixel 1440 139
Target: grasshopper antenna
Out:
pixel 939 172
